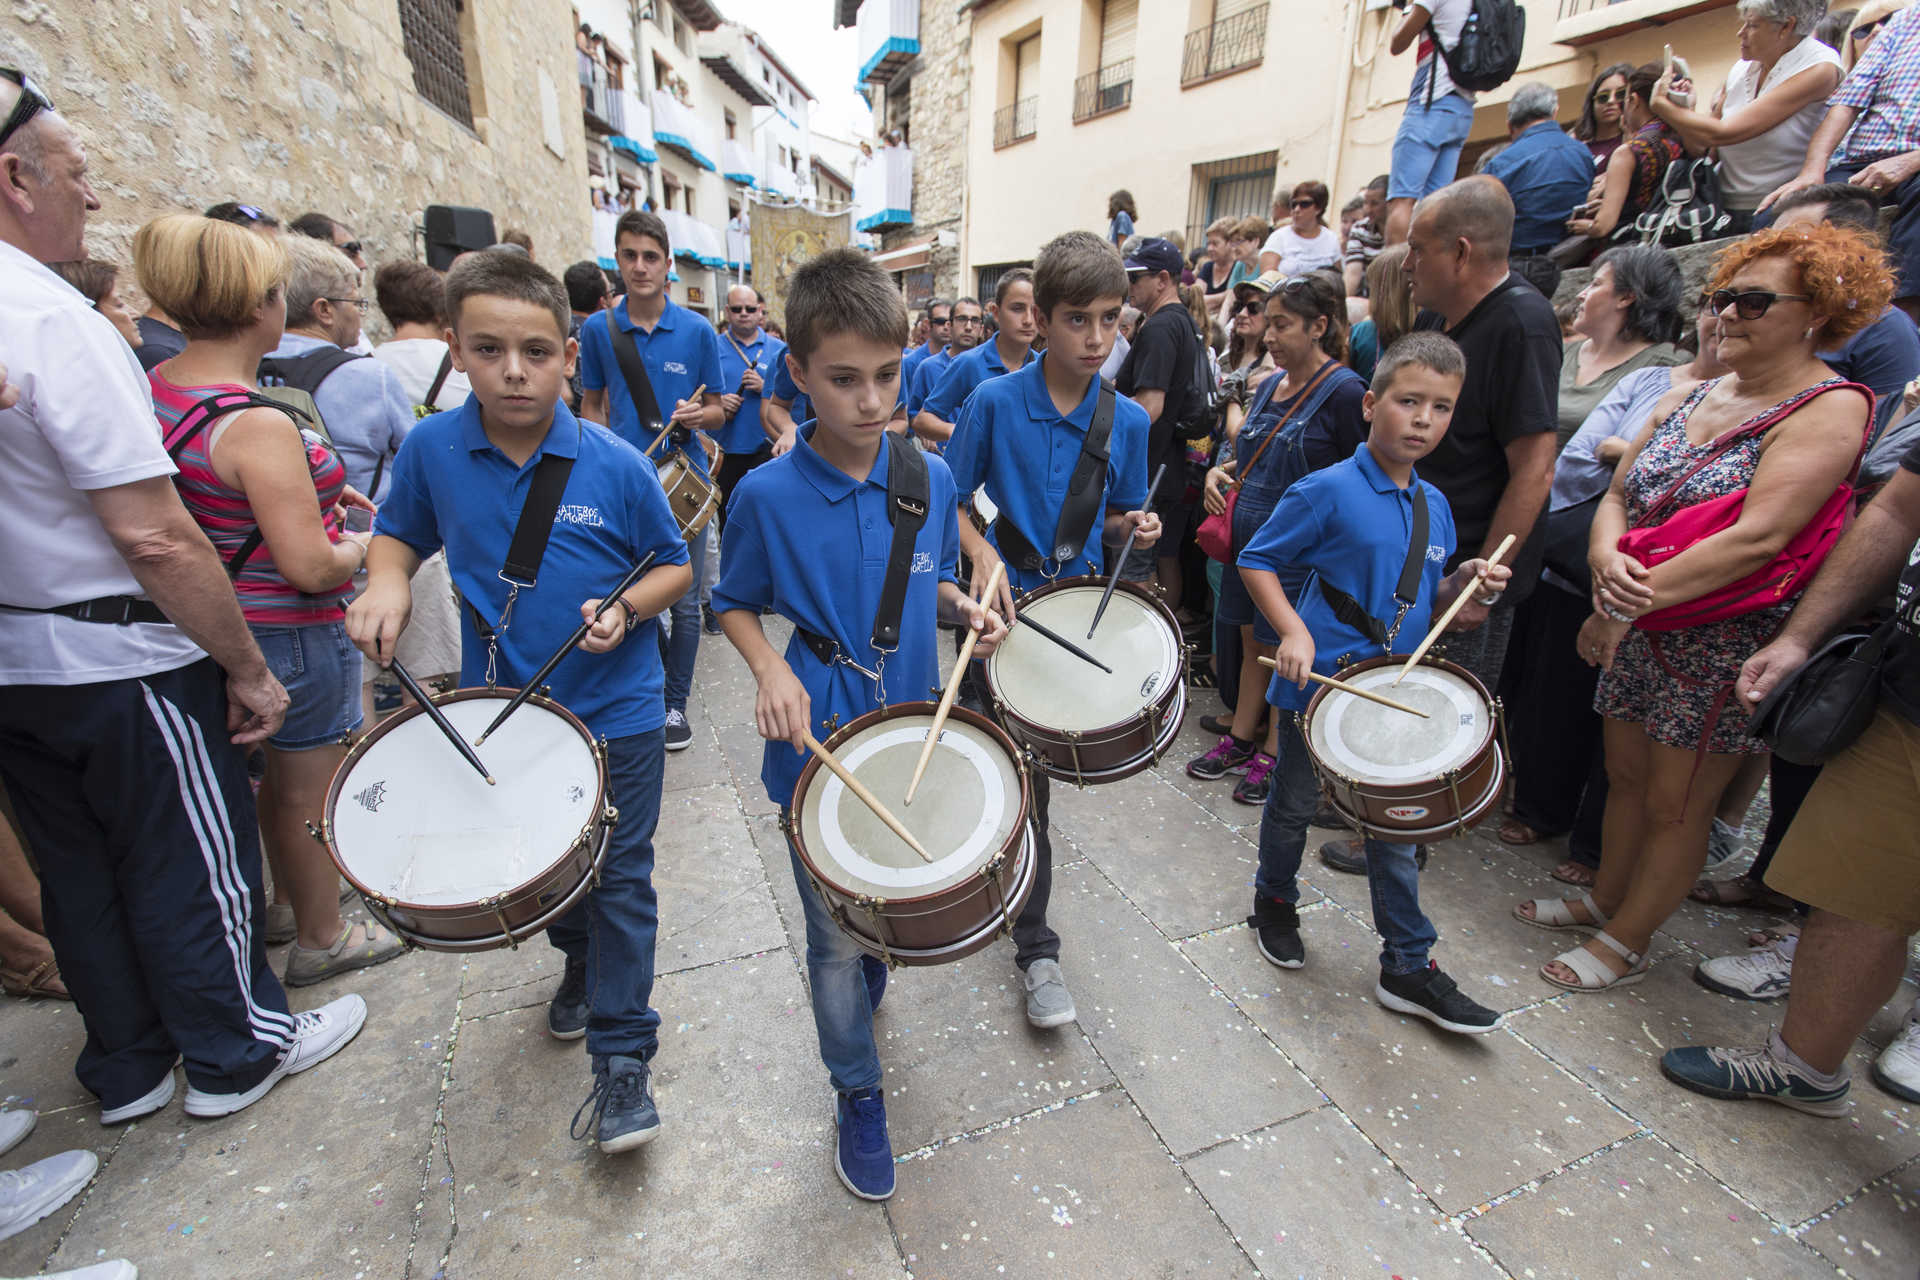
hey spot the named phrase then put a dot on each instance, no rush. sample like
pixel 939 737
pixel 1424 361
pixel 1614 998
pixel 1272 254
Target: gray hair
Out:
pixel 318 271
pixel 27 144
pixel 1534 101
pixel 1803 14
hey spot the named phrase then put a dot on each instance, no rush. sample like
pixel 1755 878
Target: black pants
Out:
pixel 1033 938
pixel 733 467
pixel 1787 786
pixel 139 811
pixel 1551 724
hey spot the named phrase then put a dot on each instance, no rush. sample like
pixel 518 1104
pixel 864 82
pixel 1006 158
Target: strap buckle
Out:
pixel 117 610
pixel 910 505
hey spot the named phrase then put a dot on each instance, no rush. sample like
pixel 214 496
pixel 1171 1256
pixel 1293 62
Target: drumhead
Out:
pixel 415 823
pixel 964 812
pixel 1370 743
pixel 1044 684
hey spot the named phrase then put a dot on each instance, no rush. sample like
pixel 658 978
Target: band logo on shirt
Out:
pixel 574 513
pixel 922 562
pixel 673 366
pixel 1436 553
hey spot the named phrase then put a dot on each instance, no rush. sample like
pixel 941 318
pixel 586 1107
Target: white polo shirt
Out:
pixel 84 421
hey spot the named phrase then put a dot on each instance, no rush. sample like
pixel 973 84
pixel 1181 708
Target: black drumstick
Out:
pixel 439 718
pixel 1121 559
pixel 1061 640
pixel 546 668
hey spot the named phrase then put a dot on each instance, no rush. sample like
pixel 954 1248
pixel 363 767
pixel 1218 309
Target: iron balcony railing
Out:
pixel 1016 122
pixel 1232 44
pixel 1103 90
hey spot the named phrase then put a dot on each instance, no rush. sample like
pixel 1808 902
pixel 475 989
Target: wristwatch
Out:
pixel 633 614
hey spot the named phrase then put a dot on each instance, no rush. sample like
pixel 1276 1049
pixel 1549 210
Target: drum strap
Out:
pixel 1406 593
pixel 1080 509
pixel 634 370
pixel 528 546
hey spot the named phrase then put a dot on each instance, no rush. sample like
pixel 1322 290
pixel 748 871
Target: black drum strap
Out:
pixel 907 497
pixel 1406 592
pixel 530 533
pixel 1087 490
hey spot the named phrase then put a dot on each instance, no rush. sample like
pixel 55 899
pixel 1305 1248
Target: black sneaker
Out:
pixel 1229 755
pixel 709 620
pixel 1276 929
pixel 567 1011
pixel 679 732
pixel 623 1115
pixel 1429 993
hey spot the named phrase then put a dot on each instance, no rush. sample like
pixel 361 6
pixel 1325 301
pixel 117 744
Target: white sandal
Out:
pixel 1552 913
pixel 1592 971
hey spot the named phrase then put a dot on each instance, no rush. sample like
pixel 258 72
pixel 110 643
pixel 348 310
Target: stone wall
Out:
pixel 937 131
pixel 311 107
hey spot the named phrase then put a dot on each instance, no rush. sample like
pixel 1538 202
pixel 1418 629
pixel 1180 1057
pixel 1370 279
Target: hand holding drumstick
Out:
pixel 953 681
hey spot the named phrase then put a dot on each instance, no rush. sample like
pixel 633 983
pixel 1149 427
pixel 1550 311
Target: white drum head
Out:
pixel 415 823
pixel 963 814
pixel 1370 743
pixel 1044 684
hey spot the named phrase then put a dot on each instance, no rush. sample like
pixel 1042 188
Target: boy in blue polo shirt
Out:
pixel 1349 527
pixel 939 315
pixel 1009 348
pixel 1019 438
pixel 681 353
pixel 809 535
pixel 460 482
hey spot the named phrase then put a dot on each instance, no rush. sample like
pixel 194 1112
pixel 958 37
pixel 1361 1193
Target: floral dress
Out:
pixel 1669 682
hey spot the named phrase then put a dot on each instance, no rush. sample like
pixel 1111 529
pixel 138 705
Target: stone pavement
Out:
pixel 1208 1116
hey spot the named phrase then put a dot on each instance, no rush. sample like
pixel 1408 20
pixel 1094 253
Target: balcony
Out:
pixel 1107 89
pixel 595 101
pixel 694 240
pixel 883 190
pixel 679 130
pixel 889 39
pixel 636 131
pixel 737 163
pixel 726 52
pixel 1583 22
pixel 1224 47
pixel 1016 122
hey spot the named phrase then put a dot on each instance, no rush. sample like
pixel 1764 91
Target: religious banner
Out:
pixel 786 235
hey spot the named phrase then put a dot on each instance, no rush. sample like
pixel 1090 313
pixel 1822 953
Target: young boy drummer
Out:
pixel 811 535
pixel 1020 438
pixel 1355 527
pixel 463 481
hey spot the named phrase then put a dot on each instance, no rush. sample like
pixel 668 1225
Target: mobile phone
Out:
pixel 1669 60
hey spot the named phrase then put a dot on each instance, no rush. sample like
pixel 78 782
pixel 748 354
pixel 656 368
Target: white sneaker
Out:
pixel 1764 973
pixel 118 1269
pixel 30 1194
pixel 1897 1069
pixel 14 1128
pixel 153 1100
pixel 318 1036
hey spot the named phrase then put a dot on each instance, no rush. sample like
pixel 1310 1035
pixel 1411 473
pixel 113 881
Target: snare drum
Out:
pixel 1400 778
pixel 693 497
pixel 450 863
pixel 1078 723
pixel 970 813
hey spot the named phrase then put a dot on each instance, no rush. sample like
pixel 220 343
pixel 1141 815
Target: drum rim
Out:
pixel 1488 735
pixel 1100 733
pixel 338 784
pixel 897 711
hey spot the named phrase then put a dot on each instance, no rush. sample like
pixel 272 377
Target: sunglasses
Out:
pixel 1303 204
pixel 1751 304
pixel 741 311
pixel 1858 33
pixel 1250 306
pixel 1611 95
pixel 31 102
pixel 940 322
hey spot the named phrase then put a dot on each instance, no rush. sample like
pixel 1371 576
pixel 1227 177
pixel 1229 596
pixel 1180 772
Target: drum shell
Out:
pixel 693 498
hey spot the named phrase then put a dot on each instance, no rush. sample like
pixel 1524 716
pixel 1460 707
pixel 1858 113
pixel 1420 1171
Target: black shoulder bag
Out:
pixel 1080 509
pixel 1406 591
pixel 1816 712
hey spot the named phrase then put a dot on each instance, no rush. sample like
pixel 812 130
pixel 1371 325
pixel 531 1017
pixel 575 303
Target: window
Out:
pixel 681 40
pixel 1238 188
pixel 430 31
pixel 662 74
pixel 783 157
pixel 1109 86
pixel 733 126
pixel 616 72
pixel 1017 120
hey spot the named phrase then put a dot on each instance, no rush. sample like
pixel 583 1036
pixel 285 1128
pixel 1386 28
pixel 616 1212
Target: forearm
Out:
pixel 1271 599
pixel 658 588
pixel 1113 529
pixel 972 542
pixel 952 605
pixel 180 572
pixel 1826 140
pixel 749 639
pixel 712 415
pixel 1861 570
pixel 930 426
pixel 1521 503
pixel 776 419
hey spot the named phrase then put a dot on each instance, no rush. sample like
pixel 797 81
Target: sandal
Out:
pixel 1555 913
pixel 1517 833
pixel 1591 972
pixel 43 980
pixel 1738 891
pixel 1577 874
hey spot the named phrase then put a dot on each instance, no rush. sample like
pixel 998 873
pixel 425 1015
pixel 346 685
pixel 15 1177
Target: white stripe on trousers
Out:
pixel 201 797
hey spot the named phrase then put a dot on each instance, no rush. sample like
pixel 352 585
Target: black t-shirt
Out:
pixel 158 341
pixel 1162 360
pixel 1900 679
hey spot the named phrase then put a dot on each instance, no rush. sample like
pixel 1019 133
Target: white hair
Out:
pixel 1803 14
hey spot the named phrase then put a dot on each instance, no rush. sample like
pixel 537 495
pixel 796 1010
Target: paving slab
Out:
pixel 1468 1117
pixel 1085 1190
pixel 1789 1165
pixel 744 748
pixel 1312 1197
pixel 43 1039
pixel 1215 797
pixel 1877 1235
pixel 74 1129
pixel 702 764
pixel 1640 1210
pixel 714 903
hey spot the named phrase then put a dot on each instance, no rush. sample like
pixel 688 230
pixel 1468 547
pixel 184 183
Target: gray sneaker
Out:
pixel 1048 1004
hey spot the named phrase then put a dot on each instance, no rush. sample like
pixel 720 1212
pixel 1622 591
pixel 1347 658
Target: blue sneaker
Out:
pixel 1753 1073
pixel 864 1160
pixel 623 1113
pixel 876 973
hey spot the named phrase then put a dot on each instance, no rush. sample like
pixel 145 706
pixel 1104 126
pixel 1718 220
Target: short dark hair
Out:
pixel 1379 184
pixel 92 277
pixel 1649 275
pixel 1008 279
pixel 939 302
pixel 587 285
pixel 1424 348
pixel 410 292
pixel 1317 296
pixel 639 222
pixel 514 235
pixel 1846 205
pixel 1077 268
pixel 243 215
pixel 842 291
pixel 317 226
pixel 506 275
pixel 967 300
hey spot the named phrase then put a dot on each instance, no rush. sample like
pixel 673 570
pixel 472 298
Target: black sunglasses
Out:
pixel 31 102
pixel 938 321
pixel 1253 306
pixel 1304 204
pixel 740 311
pixel 1751 304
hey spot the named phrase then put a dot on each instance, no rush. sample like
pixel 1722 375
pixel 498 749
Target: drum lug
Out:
pixel 786 823
pixel 871 907
pixel 500 915
pixel 608 815
pixel 347 740
pixel 321 834
pixel 1452 778
pixel 1073 748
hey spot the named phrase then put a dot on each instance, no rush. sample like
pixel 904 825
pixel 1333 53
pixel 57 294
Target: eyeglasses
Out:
pixel 1610 95
pixel 351 248
pixel 1751 304
pixel 1303 204
pixel 1864 32
pixel 940 322
pixel 31 102
pixel 1252 306
pixel 362 303
pixel 969 320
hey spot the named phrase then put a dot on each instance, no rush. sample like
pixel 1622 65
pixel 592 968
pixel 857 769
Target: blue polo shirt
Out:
pixel 963 375
pixel 785 388
pixel 1349 524
pixel 1011 442
pixel 1547 173
pixel 745 434
pixel 681 353
pixel 452 488
pixel 926 376
pixel 911 363
pixel 807 539
pixel 1884 357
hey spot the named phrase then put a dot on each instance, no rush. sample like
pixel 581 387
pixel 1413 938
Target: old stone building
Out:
pixel 368 110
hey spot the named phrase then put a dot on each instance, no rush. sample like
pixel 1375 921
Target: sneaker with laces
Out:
pixel 30 1194
pixel 1754 1072
pixel 1723 841
pixel 317 1036
pixel 1276 931
pixel 1764 973
pixel 864 1155
pixel 567 1011
pixel 1897 1069
pixel 679 732
pixel 1253 788
pixel 621 1105
pixel 1429 993
pixel 1048 1002
pixel 1229 755
pixel 1350 856
pixel 875 971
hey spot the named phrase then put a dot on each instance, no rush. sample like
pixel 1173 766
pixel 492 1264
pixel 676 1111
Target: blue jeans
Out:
pixel 680 639
pixel 612 929
pixel 1393 878
pixel 320 669
pixel 842 1012
pixel 1426 149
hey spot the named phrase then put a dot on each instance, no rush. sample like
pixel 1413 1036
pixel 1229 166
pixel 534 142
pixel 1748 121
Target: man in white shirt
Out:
pixel 411 297
pixel 124 667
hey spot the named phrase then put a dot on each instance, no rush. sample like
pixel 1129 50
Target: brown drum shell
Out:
pixel 507 919
pixel 693 498
pixel 938 927
pixel 1116 751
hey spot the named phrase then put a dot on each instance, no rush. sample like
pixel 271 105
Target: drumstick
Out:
pixel 1459 603
pixel 1121 559
pixel 1060 640
pixel 953 687
pixel 1355 690
pixel 663 431
pixel 866 797
pixel 439 719
pixel 580 633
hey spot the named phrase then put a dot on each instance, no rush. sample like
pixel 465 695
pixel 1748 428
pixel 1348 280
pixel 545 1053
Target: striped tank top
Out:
pixel 225 516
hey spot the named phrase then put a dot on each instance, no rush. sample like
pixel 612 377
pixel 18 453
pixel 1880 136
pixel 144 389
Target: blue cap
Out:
pixel 1156 254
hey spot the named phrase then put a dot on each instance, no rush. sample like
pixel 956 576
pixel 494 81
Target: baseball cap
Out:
pixel 1156 254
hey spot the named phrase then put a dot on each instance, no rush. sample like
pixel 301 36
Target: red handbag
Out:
pixel 1781 578
pixel 1215 534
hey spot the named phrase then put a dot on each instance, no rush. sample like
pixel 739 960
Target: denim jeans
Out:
pixel 1426 147
pixel 842 1012
pixel 680 647
pixel 1393 877
pixel 613 927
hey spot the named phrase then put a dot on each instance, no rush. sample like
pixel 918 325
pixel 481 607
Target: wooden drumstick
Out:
pixel 953 687
pixel 866 797
pixel 1459 603
pixel 1356 691
pixel 697 392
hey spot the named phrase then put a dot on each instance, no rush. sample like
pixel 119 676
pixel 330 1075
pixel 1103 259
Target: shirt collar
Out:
pixel 1380 480
pixel 295 344
pixel 563 437
pixel 626 321
pixel 18 257
pixel 833 483
pixel 759 337
pixel 1040 406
